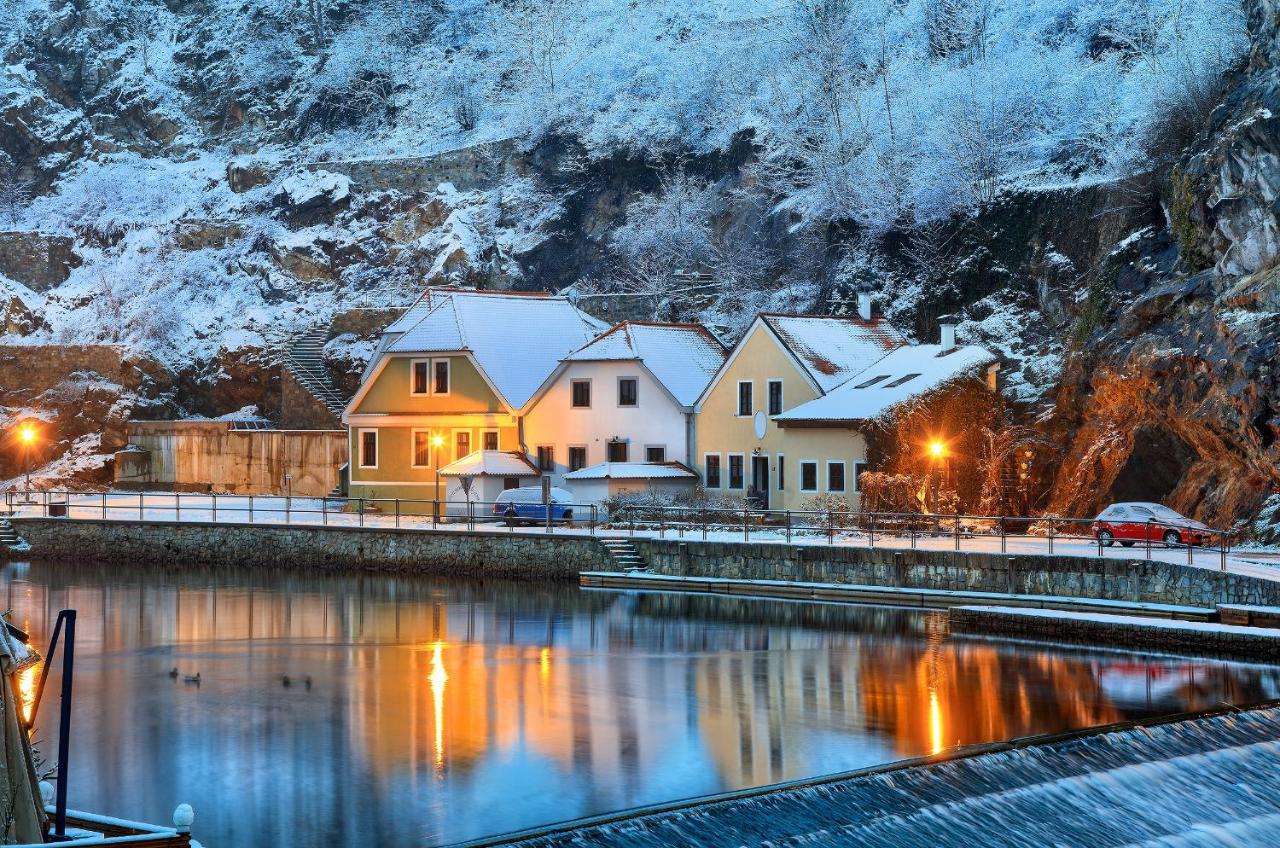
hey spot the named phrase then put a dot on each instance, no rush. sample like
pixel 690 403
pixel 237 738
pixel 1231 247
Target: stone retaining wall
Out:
pixel 1181 637
pixel 1070 576
pixel 457 553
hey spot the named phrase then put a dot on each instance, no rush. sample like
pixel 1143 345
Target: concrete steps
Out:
pixel 624 555
pixel 304 358
pixel 9 538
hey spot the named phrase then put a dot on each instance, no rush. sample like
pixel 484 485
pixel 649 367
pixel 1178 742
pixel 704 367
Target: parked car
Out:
pixel 1130 523
pixel 524 505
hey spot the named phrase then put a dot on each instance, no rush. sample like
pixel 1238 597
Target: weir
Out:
pixel 1206 780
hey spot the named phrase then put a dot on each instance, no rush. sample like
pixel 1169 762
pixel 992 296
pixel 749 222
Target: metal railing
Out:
pixel 959 532
pixel 985 533
pixel 404 513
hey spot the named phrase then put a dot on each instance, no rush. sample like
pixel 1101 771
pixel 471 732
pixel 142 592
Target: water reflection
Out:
pixel 439 711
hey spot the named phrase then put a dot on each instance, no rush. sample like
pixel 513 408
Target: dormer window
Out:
pixel 898 382
pixel 869 383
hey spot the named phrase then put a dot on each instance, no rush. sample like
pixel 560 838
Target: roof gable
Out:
pixel 832 348
pixel 682 357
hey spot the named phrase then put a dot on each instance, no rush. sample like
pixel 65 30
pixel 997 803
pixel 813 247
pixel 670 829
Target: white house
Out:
pixel 595 483
pixel 625 398
pixel 480 476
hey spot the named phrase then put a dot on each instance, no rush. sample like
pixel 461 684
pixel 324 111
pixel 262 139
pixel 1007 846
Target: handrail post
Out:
pixel 177 506
pixel 1148 535
pixel 831 529
pixel 1051 534
pixel 1222 548
pixel 251 510
pixel 746 531
pixel 215 507
pixel 871 530
pixel 324 511
pixel 360 509
pixel 788 526
pixel 142 506
pixel 397 512
pixel 1003 538
pixel 104 506
pixel 1190 551
pixel 435 511
pixel 594 516
pixel 64 724
pixel 957 532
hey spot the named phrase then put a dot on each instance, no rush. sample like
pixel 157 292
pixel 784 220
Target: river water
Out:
pixel 419 712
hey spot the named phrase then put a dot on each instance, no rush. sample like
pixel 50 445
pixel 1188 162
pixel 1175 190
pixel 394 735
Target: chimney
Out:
pixel 864 305
pixel 947 330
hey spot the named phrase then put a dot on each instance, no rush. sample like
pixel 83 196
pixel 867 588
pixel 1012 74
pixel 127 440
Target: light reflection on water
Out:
pixel 439 711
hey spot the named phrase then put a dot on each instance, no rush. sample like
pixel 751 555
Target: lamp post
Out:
pixel 937 452
pixel 27 438
pixel 437 442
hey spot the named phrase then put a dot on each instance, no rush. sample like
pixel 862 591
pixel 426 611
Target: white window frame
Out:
pixel 448 367
pixel 844 469
pixel 728 473
pixel 782 395
pixel 779 463
pixel 453 441
pixel 646 453
pixel 719 486
pixel 497 438
pixel 377 446
pixel 413 454
pixel 737 399
pixel 413 373
pixel 817 479
pixel 618 397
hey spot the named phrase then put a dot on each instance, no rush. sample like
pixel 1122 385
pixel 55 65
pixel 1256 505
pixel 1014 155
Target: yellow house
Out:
pixel 783 420
pixel 447 379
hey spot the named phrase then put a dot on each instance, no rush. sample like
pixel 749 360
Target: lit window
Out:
pixel 490 439
pixel 368 448
pixel 744 399
pixel 656 453
pixel 580 394
pixel 461 444
pixel 835 476
pixel 711 462
pixel 421 448
pixel 577 457
pixel 775 397
pixel 628 391
pixel 808 476
pixel 735 471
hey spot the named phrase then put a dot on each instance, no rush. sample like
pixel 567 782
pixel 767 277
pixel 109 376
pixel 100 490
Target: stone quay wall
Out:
pixel 1178 637
pixel 1032 574
pixel 521 556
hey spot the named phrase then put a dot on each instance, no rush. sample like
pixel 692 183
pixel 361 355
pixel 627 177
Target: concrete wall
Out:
pixel 210 456
pixel 447 552
pixel 300 409
pixel 1076 577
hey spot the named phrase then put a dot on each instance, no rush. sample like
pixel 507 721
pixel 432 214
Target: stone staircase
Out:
pixel 10 540
pixel 624 555
pixel 304 357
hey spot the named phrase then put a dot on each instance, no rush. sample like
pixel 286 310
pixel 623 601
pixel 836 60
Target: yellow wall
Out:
pixel 720 430
pixel 471 406
pixel 468 391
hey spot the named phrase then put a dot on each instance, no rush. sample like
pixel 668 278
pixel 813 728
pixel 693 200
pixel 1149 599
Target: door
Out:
pixel 760 480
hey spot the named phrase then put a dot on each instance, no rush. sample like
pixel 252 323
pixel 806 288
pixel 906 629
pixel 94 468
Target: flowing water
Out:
pixel 420 711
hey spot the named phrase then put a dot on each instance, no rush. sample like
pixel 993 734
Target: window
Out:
pixel 510 483
pixel 872 381
pixel 775 397
pixel 441 369
pixel 835 476
pixel 617 451
pixel 546 458
pixel 711 464
pixel 461 443
pixel 655 453
pixel 490 439
pixel 577 457
pixel 744 398
pixel 735 471
pixel 900 381
pixel 859 468
pixel 421 448
pixel 368 448
pixel 782 472
pixel 809 476
pixel 580 394
pixel 628 391
pixel 420 384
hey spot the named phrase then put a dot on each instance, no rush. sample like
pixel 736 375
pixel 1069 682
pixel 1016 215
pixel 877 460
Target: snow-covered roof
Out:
pixel 491 463
pixel 516 339
pixel 631 471
pixel 832 348
pixel 905 373
pixel 683 357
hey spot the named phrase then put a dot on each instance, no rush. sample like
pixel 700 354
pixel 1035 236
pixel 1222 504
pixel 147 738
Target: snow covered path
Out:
pixel 243 509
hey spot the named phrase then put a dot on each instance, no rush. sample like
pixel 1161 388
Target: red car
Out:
pixel 1130 523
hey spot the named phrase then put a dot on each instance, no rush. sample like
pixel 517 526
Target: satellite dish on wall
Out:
pixel 760 422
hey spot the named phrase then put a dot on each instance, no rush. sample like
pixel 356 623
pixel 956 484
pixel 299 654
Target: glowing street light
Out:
pixel 437 442
pixel 937 449
pixel 27 438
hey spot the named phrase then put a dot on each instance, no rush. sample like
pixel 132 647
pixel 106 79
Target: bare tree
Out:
pixel 15 196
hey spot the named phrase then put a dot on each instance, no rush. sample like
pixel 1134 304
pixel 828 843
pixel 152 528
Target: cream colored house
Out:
pixel 448 378
pixel 784 418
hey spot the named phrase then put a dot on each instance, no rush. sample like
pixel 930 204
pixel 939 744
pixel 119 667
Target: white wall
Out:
pixel 657 420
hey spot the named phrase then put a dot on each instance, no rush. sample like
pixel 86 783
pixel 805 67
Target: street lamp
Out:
pixel 27 438
pixel 937 453
pixel 437 442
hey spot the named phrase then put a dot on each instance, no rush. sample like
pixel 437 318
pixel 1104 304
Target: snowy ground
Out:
pixel 241 509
